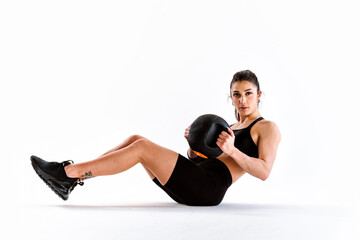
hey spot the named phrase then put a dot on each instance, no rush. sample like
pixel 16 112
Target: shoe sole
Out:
pixel 43 175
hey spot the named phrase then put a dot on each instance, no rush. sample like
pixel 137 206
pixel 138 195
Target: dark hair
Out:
pixel 245 75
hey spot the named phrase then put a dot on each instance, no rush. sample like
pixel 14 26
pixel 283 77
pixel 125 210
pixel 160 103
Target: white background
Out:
pixel 78 77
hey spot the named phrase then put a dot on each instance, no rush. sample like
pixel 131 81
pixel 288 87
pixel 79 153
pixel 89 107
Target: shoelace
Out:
pixel 79 181
pixel 67 161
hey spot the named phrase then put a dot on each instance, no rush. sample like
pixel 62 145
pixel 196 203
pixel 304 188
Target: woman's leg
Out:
pixel 126 143
pixel 156 159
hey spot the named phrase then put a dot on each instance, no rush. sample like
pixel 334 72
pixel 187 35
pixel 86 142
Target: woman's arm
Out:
pixel 269 138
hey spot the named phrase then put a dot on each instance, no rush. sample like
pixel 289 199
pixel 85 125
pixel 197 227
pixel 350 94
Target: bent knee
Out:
pixel 141 142
pixel 141 145
pixel 135 137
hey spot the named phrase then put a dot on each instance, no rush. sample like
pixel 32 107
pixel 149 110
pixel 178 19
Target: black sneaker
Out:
pixel 53 174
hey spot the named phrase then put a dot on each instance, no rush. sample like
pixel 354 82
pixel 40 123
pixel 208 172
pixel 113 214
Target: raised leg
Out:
pixel 126 143
pixel 157 160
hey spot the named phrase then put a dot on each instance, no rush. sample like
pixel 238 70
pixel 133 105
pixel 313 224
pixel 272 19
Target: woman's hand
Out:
pixel 186 135
pixel 226 141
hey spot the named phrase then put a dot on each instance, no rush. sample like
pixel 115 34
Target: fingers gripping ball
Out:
pixel 203 134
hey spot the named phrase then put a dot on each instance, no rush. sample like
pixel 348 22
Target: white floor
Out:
pixel 167 220
pixel 130 206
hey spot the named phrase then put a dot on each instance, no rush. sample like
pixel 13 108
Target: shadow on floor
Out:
pixel 233 208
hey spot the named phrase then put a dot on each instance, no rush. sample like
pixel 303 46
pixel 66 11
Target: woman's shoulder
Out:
pixel 268 127
pixel 267 123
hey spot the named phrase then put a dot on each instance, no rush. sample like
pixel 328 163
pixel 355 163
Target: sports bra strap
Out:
pixel 252 124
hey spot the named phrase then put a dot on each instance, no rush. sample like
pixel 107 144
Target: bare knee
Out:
pixel 134 138
pixel 141 145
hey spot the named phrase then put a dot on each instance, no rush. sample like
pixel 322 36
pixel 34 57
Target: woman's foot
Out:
pixel 54 175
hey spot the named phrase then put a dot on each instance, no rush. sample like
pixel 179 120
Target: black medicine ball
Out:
pixel 203 134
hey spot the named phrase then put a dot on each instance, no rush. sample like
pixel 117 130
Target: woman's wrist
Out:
pixel 233 152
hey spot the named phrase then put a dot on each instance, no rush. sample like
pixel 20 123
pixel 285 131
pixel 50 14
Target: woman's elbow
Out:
pixel 266 169
pixel 265 175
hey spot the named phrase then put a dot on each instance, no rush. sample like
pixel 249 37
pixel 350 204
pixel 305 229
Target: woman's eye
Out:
pixel 248 93
pixel 236 94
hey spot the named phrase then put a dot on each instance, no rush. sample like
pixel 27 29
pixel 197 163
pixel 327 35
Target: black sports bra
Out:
pixel 244 142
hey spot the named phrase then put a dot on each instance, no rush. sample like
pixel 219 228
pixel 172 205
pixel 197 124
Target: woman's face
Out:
pixel 244 97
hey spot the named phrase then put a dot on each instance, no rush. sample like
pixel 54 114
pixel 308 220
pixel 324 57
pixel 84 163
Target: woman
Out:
pixel 250 148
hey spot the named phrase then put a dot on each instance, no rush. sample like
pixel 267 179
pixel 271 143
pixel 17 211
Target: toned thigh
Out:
pixel 129 141
pixel 160 161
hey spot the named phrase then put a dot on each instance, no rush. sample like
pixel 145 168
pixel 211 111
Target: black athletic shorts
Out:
pixel 197 184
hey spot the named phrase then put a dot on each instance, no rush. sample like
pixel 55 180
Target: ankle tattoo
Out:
pixel 87 175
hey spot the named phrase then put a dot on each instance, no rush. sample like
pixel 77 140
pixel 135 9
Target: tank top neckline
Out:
pixel 251 124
